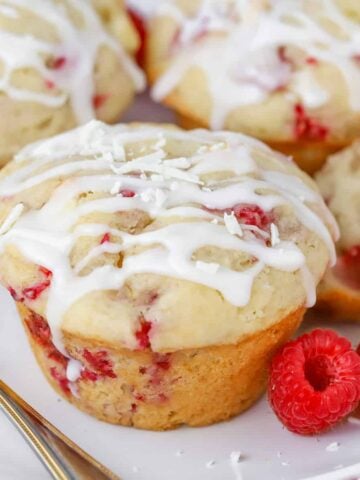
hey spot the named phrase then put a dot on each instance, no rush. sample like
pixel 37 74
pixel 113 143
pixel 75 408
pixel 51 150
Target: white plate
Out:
pixel 268 451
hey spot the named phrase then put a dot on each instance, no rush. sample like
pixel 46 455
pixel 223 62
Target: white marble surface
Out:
pixel 268 450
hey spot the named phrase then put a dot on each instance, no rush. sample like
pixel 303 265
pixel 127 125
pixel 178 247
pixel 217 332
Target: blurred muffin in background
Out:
pixel 339 182
pixel 287 72
pixel 62 63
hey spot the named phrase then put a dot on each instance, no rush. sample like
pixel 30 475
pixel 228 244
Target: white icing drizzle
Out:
pixel 46 236
pixel 77 47
pixel 73 370
pixel 248 66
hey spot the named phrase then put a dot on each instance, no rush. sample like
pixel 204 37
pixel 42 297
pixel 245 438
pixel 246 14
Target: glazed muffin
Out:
pixel 286 72
pixel 156 270
pixel 62 63
pixel 339 182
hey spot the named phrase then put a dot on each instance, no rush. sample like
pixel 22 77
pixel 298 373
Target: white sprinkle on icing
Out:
pixel 116 188
pixel 160 197
pixel 179 453
pixel 232 225
pixel 207 267
pixel 274 232
pixel 11 219
pixel 210 464
pixel 333 447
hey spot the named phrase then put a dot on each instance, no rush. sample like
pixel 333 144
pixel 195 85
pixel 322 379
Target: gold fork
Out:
pixel 63 459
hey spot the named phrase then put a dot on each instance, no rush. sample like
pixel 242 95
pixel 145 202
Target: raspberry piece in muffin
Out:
pixel 174 261
pixel 339 182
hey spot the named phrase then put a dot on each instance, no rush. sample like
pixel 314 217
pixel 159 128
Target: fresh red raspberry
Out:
pixel 347 268
pixel 142 334
pixel 306 127
pixel 314 382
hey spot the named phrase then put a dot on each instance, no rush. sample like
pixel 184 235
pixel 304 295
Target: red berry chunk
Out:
pixel 142 334
pixel 127 193
pixel 248 214
pixel 314 382
pixel 347 268
pixel 140 26
pixel 252 215
pixel 162 362
pixel 105 238
pixel 46 272
pixel 61 380
pixel 89 375
pixel 34 292
pixel 39 329
pixel 58 63
pixel 15 295
pixel 306 127
pixel 100 363
pixel 312 61
pixel 99 100
pixel 49 84
pixel 282 53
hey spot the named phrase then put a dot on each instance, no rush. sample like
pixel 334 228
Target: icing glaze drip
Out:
pixel 232 212
pixel 249 41
pixel 67 64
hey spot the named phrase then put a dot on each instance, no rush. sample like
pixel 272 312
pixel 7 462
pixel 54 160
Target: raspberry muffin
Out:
pixel 287 72
pixel 156 270
pixel 339 182
pixel 62 63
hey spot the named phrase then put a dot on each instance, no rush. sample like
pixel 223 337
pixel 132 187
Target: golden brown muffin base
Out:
pixel 337 303
pixel 162 391
pixel 310 156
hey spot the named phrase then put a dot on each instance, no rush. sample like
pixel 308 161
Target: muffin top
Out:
pixel 146 235
pixel 339 183
pixel 278 69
